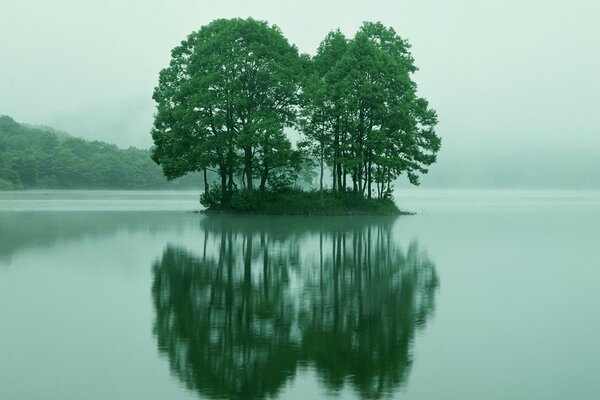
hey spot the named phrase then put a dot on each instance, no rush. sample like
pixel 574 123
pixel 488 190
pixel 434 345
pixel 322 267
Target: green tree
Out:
pixel 329 53
pixel 224 100
pixel 314 124
pixel 377 127
pixel 33 157
pixel 320 116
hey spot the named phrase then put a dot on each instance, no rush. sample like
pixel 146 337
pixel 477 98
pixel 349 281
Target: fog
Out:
pixel 515 83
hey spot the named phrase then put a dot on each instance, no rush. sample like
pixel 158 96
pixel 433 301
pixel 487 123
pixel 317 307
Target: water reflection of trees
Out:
pixel 239 314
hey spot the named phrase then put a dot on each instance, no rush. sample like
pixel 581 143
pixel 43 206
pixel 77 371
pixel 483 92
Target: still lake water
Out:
pixel 126 295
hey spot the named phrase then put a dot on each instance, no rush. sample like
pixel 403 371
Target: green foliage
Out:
pixel 6 184
pixel 299 202
pixel 224 100
pixel 233 86
pixel 362 114
pixel 212 197
pixel 306 172
pixel 33 157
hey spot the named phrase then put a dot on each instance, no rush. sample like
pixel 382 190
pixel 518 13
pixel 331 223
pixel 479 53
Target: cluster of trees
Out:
pixel 237 316
pixel 234 89
pixel 38 157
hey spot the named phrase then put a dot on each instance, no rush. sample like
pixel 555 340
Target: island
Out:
pixel 259 120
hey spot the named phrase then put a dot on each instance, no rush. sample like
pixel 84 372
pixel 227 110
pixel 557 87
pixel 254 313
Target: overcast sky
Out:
pixel 504 75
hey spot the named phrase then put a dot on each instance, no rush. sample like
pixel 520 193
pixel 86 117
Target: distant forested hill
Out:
pixel 34 157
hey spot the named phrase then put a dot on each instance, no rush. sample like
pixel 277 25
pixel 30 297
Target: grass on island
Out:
pixel 300 202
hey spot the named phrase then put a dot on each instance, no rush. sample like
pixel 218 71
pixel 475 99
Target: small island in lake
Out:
pixel 261 121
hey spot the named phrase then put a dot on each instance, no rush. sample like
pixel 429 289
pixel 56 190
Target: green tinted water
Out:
pixel 125 295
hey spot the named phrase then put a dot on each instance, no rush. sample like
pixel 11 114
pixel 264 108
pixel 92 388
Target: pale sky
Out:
pixel 506 77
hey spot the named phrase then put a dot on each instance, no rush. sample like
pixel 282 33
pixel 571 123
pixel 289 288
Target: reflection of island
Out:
pixel 237 316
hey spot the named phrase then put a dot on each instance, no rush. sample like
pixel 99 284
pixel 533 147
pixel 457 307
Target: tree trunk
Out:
pixel 263 177
pixel 230 181
pixel 223 174
pixel 364 177
pixel 339 177
pixel 361 178
pixel 336 156
pixel 369 179
pixel 321 180
pixel 334 175
pixel 205 181
pixel 248 166
pixel 230 164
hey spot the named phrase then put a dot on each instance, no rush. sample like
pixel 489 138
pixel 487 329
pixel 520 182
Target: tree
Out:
pixel 39 157
pixel 314 124
pixel 377 127
pixel 320 120
pixel 330 51
pixel 224 100
pixel 233 87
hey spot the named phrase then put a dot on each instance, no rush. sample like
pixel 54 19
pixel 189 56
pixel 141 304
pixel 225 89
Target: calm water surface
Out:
pixel 128 295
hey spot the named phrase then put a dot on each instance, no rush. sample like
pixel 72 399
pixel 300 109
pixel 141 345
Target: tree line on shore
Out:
pixel 235 90
pixel 42 158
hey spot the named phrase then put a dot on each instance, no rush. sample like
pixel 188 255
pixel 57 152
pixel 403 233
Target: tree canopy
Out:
pixel 230 90
pixel 373 126
pixel 234 86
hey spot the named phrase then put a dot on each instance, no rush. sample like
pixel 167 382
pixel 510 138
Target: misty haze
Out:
pixel 299 200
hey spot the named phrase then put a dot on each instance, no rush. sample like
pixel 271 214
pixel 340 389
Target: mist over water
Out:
pixel 514 83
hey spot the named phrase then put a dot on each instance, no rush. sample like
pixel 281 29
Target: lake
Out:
pixel 129 295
